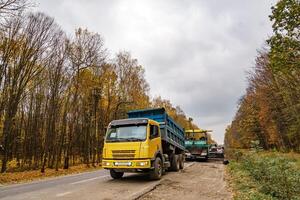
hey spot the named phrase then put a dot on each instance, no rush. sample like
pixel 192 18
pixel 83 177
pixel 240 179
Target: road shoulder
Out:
pixel 200 181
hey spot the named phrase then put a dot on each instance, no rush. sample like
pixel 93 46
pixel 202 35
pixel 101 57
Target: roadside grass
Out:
pixel 265 175
pixel 26 176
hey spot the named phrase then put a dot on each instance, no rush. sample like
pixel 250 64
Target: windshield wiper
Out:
pixel 114 140
pixel 132 139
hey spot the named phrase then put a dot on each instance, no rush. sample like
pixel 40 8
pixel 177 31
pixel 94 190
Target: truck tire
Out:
pixel 206 158
pixel 156 173
pixel 116 175
pixel 181 161
pixel 175 163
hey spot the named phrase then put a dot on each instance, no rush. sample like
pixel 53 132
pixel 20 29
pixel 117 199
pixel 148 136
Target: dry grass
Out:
pixel 25 176
pixel 264 175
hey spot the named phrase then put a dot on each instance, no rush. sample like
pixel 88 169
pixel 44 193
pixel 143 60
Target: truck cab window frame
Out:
pixel 154 131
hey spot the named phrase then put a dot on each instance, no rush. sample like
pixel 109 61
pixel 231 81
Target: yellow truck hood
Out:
pixel 123 150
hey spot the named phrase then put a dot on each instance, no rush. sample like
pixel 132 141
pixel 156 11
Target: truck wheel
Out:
pixel 181 163
pixel 116 175
pixel 206 158
pixel 175 163
pixel 156 173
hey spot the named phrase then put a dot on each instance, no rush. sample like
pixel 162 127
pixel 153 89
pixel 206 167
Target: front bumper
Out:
pixel 196 156
pixel 126 164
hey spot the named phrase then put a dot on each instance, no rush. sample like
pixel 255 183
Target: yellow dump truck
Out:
pixel 148 141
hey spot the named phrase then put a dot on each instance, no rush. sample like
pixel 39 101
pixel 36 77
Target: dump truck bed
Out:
pixel 171 132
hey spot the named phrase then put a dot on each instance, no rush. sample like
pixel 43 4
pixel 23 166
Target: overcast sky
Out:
pixel 195 52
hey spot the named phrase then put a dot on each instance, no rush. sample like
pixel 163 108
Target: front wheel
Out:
pixel 156 173
pixel 116 175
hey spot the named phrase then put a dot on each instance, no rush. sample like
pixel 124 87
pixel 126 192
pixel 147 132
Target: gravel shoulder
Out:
pixel 202 180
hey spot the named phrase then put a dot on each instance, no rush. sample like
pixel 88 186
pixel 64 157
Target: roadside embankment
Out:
pixel 264 175
pixel 202 180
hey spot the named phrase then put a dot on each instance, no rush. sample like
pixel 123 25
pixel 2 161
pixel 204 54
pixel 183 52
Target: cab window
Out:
pixel 154 133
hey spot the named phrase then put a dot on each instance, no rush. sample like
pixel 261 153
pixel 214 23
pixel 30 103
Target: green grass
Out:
pixel 265 175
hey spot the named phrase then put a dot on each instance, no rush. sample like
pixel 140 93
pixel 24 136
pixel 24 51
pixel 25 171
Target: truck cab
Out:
pixel 135 145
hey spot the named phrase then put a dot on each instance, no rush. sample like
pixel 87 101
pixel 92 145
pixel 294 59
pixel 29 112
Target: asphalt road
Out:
pixel 99 185
pixel 52 188
pixel 90 185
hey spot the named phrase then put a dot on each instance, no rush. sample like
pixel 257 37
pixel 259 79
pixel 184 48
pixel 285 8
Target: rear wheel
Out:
pixel 156 173
pixel 181 161
pixel 175 163
pixel 116 175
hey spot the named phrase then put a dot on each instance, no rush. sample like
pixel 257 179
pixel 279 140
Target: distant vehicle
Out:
pixel 216 151
pixel 196 143
pixel 148 141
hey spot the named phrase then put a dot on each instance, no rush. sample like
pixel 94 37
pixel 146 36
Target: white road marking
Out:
pixel 90 179
pixel 63 194
pixel 188 164
pixel 221 189
pixel 208 178
pixel 5 187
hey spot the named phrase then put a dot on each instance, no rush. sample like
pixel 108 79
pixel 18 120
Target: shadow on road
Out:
pixel 132 178
pixel 210 160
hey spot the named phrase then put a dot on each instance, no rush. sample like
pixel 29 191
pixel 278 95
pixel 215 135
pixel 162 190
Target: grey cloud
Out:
pixel 195 52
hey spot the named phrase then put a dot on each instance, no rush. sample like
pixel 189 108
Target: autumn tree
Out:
pixel 58 93
pixel 132 87
pixel 85 51
pixel 273 94
pixel 56 74
pixel 175 112
pixel 22 56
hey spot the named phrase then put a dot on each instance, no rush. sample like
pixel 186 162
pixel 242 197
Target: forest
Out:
pixel 268 115
pixel 58 93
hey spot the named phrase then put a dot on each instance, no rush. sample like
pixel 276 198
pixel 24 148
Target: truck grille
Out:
pixel 123 154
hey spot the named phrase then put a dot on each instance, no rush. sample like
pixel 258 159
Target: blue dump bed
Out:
pixel 171 132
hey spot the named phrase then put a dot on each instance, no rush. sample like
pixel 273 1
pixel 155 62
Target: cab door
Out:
pixel 154 140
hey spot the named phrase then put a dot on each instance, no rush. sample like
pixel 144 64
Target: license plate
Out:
pixel 122 163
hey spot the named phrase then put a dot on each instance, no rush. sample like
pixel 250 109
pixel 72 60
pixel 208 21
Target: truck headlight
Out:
pixel 142 163
pixel 105 164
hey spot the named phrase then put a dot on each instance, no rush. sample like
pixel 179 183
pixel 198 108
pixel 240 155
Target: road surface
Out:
pixel 99 185
pixel 201 181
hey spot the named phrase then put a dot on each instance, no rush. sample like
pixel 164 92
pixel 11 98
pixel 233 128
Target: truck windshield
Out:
pixel 126 133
